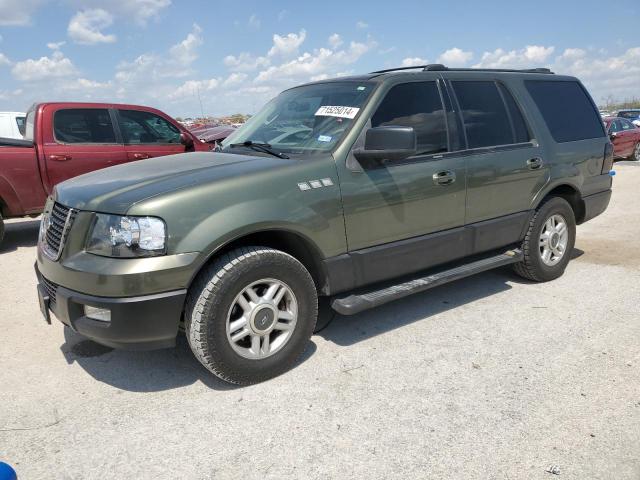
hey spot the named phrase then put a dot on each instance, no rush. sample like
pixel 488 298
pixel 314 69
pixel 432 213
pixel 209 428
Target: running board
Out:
pixel 356 303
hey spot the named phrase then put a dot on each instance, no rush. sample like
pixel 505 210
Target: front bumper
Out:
pixel 137 323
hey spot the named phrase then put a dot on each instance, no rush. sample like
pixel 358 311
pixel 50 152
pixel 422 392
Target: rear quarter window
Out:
pixel 567 110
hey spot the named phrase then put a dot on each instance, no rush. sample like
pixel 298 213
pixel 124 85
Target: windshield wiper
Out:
pixel 259 147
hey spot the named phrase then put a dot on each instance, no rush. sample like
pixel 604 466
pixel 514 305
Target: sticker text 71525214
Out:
pixel 337 111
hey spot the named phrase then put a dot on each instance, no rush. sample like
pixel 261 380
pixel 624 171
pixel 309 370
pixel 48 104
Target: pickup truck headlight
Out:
pixel 127 237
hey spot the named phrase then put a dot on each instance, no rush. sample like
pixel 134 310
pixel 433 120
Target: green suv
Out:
pixel 355 192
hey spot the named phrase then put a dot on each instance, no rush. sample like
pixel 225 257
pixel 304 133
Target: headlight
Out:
pixel 118 236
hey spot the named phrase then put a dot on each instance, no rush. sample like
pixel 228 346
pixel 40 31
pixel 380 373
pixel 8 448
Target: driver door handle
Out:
pixel 446 177
pixel 534 163
pixel 60 158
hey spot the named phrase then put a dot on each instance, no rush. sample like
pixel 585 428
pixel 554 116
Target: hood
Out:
pixel 116 189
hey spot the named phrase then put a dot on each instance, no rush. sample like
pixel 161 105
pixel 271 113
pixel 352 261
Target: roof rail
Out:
pixel 438 67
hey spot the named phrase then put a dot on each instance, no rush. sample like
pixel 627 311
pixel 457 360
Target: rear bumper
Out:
pixel 595 204
pixel 137 323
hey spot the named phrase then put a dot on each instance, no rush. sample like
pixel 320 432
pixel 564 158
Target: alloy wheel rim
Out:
pixel 262 318
pixel 554 239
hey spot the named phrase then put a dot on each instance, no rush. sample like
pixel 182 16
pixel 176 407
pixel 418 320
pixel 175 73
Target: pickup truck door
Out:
pixel 77 141
pixel 505 168
pixel 404 216
pixel 147 134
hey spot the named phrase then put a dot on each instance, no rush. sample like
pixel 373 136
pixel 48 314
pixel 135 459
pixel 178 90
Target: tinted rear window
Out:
pixel 566 109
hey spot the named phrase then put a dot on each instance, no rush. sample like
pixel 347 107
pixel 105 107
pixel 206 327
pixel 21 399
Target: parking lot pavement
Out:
pixel 491 377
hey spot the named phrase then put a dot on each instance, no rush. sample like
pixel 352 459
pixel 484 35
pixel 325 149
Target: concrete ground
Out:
pixel 488 378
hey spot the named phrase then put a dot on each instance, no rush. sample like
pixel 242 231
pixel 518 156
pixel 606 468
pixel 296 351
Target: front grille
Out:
pixel 52 290
pixel 57 224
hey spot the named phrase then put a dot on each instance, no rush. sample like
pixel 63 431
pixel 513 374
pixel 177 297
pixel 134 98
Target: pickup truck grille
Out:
pixel 56 225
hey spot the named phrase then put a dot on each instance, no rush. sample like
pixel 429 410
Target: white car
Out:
pixel 12 124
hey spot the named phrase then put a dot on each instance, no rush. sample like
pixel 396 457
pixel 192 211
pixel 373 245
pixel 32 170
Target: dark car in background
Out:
pixel 625 137
pixel 631 114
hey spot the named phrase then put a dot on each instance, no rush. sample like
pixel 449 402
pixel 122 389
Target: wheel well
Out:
pixel 573 197
pixel 293 244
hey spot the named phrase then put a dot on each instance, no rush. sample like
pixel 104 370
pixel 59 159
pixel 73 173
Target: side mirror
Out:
pixel 186 140
pixel 391 143
pixel 613 135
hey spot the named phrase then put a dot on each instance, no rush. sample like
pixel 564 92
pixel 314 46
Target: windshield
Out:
pixel 305 120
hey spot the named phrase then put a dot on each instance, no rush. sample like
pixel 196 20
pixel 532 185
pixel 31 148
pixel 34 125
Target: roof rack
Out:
pixel 438 67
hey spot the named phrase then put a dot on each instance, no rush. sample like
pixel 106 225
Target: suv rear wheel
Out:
pixel 549 241
pixel 250 314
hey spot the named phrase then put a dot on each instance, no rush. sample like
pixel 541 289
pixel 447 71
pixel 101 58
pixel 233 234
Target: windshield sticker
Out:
pixel 361 88
pixel 335 111
pixel 324 138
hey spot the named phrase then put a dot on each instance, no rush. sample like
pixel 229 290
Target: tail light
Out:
pixel 608 158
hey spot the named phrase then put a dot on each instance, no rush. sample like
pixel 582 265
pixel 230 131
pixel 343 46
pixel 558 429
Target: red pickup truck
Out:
pixel 63 140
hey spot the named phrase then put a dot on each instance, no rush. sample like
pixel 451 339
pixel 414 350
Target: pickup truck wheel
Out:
pixel 250 314
pixel 549 241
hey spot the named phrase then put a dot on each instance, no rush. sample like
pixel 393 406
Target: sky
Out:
pixel 188 57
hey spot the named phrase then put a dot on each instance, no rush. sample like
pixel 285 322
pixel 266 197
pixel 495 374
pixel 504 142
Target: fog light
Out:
pixel 99 314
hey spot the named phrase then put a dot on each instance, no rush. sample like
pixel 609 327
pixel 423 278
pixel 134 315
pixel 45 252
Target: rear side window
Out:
pixel 144 127
pixel 416 105
pixel 83 125
pixel 490 115
pixel 567 110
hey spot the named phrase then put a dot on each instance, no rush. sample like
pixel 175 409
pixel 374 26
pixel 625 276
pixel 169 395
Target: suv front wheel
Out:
pixel 549 241
pixel 250 314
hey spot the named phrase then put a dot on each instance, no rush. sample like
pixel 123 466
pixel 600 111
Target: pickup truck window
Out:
pixel 416 105
pixel 487 120
pixel 144 127
pixel 20 121
pixel 83 125
pixel 305 120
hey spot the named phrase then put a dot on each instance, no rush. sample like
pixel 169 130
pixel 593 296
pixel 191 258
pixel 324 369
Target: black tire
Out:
pixel 635 154
pixel 533 267
pixel 212 295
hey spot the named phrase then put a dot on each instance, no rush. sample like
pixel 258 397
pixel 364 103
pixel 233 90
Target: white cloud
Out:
pixel 335 40
pixel 17 12
pixel 288 44
pixel 362 25
pixel 413 61
pixel 44 68
pixel 528 57
pixel 55 45
pixel 139 11
pixel 185 52
pixel 150 67
pixel 455 57
pixel 308 65
pixel 4 60
pixel 254 21
pixel 85 27
pixel 194 88
pixel 245 62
